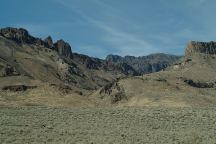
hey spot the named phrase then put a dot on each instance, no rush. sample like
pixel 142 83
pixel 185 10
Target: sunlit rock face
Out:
pixel 200 48
pixel 63 48
pixel 19 35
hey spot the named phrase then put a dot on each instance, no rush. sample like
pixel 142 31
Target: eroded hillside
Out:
pixel 189 83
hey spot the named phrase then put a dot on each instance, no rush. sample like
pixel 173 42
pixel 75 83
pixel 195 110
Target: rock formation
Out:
pixel 19 35
pixel 49 42
pixel 200 48
pixel 22 36
pixel 63 48
pixel 144 64
pixel 54 62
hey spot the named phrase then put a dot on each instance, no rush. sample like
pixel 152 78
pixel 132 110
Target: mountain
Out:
pixel 28 60
pixel 145 64
pixel 50 73
pixel 189 83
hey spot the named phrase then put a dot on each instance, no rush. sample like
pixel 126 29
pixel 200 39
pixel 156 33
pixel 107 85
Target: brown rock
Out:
pixel 63 48
pixel 19 35
pixel 49 42
pixel 200 48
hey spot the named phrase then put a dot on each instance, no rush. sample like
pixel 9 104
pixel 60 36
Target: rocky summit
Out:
pixel 49 42
pixel 63 48
pixel 19 35
pixel 194 47
pixel 145 64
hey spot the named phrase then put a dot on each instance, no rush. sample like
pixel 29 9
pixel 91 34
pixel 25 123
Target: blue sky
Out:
pixel 123 27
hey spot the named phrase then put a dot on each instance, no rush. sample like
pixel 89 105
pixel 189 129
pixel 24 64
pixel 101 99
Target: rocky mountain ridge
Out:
pixel 22 36
pixel 29 58
pixel 129 65
pixel 145 64
pixel 189 83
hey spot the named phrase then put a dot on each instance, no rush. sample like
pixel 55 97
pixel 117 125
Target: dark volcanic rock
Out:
pixel 114 58
pixel 92 64
pixel 144 64
pixel 49 42
pixel 22 36
pixel 120 67
pixel 10 71
pixel 63 48
pixel 95 63
pixel 19 35
pixel 199 84
pixel 114 91
pixel 88 62
pixel 128 65
pixel 16 88
pixel 200 47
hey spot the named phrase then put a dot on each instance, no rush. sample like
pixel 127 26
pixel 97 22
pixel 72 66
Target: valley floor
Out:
pixel 107 125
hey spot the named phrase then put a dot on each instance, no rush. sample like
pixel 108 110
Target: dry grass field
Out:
pixel 107 125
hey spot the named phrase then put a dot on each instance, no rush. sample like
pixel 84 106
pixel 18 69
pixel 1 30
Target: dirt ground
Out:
pixel 108 125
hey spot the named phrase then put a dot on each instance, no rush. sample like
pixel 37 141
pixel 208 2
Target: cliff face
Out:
pixel 63 48
pixel 145 64
pixel 21 36
pixel 200 48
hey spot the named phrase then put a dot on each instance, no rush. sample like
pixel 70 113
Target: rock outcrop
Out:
pixel 16 88
pixel 63 48
pixel 19 35
pixel 22 36
pixel 49 42
pixel 120 67
pixel 144 64
pixel 115 92
pixel 10 71
pixel 193 47
pixel 200 84
pixel 88 62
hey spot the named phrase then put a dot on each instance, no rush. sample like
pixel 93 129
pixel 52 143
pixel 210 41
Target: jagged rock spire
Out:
pixel 63 48
pixel 49 41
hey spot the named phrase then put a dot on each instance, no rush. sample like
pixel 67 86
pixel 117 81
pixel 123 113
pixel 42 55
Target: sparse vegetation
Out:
pixel 107 125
